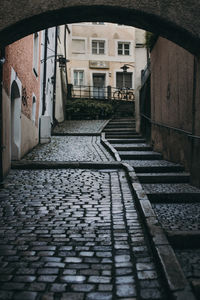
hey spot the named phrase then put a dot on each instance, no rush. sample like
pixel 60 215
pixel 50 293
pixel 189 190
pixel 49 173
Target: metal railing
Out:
pixel 101 93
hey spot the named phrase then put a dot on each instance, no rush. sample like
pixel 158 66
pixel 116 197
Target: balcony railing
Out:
pixel 101 93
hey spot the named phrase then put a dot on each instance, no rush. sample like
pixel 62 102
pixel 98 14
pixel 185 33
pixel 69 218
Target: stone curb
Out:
pixel 76 134
pixel 103 125
pixel 176 281
pixel 184 238
pixel 25 164
pixel 109 147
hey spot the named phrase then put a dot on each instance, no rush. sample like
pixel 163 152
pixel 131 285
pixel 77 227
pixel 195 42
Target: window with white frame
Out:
pixel 98 47
pixel 123 48
pixel 35 53
pixel 78 46
pixel 78 77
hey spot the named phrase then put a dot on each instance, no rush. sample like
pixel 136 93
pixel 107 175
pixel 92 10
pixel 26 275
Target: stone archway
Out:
pixel 15 121
pixel 176 20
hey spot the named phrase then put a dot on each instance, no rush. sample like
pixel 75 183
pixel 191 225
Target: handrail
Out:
pixel 189 134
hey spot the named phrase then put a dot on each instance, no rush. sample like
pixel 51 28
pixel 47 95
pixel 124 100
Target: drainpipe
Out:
pixel 45 73
pixel 55 69
pixel 2 60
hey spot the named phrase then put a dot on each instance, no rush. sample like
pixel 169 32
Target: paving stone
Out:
pixel 83 287
pixel 73 279
pixel 99 296
pixel 58 287
pixel 47 278
pixel 72 296
pixel 25 296
pixel 126 290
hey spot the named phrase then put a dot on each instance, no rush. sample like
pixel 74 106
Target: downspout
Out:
pixel 55 70
pixel 2 60
pixel 66 76
pixel 45 73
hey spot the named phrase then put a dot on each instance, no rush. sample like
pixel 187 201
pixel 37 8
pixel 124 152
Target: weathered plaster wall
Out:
pixel 6 154
pixel 29 133
pixel 19 56
pixel 173 104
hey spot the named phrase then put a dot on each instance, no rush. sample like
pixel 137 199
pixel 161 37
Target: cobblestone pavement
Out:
pixel 71 148
pixel 83 126
pixel 178 216
pixel 75 235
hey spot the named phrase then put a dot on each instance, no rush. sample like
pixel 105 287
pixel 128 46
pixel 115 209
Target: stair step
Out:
pixel 172 192
pixel 150 155
pixel 120 124
pixel 132 147
pixel 164 177
pixel 114 130
pixel 122 135
pixel 125 141
pixel 152 166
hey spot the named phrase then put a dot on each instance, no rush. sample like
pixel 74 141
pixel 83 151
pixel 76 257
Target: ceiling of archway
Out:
pixel 176 20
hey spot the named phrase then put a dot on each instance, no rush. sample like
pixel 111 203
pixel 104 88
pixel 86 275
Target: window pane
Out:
pixel 120 52
pixel 126 46
pixel 101 51
pixel 126 52
pixel 119 46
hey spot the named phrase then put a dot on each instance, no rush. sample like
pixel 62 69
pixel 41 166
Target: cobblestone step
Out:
pixel 143 155
pixel 174 192
pixel 164 177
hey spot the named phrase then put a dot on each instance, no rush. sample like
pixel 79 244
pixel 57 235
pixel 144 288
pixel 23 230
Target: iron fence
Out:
pixel 100 93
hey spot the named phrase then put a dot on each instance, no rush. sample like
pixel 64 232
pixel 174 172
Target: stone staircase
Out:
pixel 175 202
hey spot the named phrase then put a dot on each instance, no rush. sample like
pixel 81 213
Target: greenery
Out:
pixel 151 39
pixel 88 109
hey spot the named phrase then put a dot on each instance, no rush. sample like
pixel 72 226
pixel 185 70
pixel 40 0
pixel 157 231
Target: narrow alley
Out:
pixel 74 230
pixel 74 233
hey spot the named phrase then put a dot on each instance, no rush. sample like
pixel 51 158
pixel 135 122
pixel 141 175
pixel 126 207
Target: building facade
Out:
pixel 98 51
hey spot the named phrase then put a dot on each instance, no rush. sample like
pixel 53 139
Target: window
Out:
pixel 35 53
pixel 124 80
pixel 98 47
pixel 123 48
pixel 78 46
pixel 33 109
pixel 78 78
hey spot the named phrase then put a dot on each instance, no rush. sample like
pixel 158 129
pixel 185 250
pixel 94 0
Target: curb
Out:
pixel 109 147
pixel 36 165
pixel 76 134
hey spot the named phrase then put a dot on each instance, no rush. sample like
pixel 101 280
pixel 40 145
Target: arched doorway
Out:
pixel 15 121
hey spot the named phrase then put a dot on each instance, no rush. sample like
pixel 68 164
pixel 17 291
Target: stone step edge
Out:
pixel 175 278
pixel 109 147
pixel 176 281
pixel 25 164
pixel 184 239
pixel 76 134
